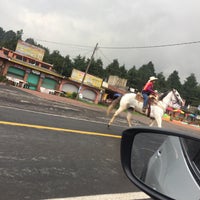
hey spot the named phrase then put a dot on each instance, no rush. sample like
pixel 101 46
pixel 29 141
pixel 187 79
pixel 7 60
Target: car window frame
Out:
pixel 191 164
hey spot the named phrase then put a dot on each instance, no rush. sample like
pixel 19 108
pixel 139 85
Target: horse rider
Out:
pixel 147 90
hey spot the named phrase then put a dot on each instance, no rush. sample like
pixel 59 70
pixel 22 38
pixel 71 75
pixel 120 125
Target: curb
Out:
pixel 180 123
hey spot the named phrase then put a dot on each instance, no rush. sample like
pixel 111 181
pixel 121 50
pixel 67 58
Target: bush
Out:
pixel 73 95
pixel 70 95
pixel 3 79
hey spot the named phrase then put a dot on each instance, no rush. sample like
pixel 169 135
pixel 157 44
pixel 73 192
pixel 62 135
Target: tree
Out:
pixel 173 81
pixel 144 72
pixel 57 60
pixel 122 72
pixel 112 69
pixel 161 84
pixel 80 63
pixel 2 32
pixel 132 77
pixel 190 90
pixel 198 96
pixel 67 67
pixel 96 68
pixel 19 35
pixel 31 41
pixel 9 39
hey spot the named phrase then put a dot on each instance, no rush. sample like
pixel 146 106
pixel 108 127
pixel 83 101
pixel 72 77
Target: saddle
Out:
pixel 139 97
pixel 152 100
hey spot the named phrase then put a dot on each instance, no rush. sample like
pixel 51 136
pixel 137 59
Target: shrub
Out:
pixel 3 79
pixel 73 95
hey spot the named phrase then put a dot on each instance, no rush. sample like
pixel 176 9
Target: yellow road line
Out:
pixel 60 129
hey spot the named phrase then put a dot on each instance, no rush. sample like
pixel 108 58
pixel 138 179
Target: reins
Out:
pixel 158 102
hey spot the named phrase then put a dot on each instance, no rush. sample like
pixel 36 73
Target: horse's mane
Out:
pixel 161 97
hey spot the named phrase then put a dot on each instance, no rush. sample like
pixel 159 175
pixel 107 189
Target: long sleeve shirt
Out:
pixel 148 88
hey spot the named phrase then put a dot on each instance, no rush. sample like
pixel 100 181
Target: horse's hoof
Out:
pixel 108 125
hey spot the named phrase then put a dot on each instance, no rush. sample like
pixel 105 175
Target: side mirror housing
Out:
pixel 162 163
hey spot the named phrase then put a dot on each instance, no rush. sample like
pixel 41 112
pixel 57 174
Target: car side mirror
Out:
pixel 162 163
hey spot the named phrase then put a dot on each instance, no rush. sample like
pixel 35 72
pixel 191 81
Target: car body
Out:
pixel 169 162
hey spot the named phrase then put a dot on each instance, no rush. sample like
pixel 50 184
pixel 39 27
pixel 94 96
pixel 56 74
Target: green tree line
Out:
pixel 137 77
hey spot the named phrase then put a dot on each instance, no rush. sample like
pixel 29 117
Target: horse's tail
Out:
pixel 113 104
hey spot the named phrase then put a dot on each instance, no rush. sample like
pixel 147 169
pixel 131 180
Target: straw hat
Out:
pixel 152 78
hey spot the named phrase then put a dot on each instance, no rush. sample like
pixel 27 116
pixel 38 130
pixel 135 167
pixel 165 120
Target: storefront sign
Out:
pixel 30 50
pixel 89 79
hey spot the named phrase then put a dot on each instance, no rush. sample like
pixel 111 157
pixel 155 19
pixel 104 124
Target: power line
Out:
pixel 65 44
pixel 109 61
pixel 121 47
pixel 86 53
pixel 152 46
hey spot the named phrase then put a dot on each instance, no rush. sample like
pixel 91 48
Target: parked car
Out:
pixel 162 163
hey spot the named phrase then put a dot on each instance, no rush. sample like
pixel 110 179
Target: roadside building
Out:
pixel 25 68
pixel 113 86
pixel 25 71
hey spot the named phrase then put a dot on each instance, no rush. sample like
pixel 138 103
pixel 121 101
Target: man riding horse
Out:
pixel 148 90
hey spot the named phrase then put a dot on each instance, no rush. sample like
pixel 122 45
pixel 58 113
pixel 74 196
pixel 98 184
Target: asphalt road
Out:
pixel 51 149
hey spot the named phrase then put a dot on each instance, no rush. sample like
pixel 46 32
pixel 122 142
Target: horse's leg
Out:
pixel 159 121
pixel 118 111
pixel 112 105
pixel 152 122
pixel 129 116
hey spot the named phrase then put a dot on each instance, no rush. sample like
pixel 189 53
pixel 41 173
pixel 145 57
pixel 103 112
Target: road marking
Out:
pixel 61 116
pixel 60 129
pixel 121 196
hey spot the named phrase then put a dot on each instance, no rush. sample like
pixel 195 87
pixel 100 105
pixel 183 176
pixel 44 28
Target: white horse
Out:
pixel 157 109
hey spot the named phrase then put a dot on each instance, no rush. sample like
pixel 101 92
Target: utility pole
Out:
pixel 80 87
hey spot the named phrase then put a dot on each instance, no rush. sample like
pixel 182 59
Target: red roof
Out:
pixel 2 55
pixel 115 89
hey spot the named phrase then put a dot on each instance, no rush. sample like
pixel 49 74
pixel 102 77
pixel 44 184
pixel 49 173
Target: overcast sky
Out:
pixel 113 23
